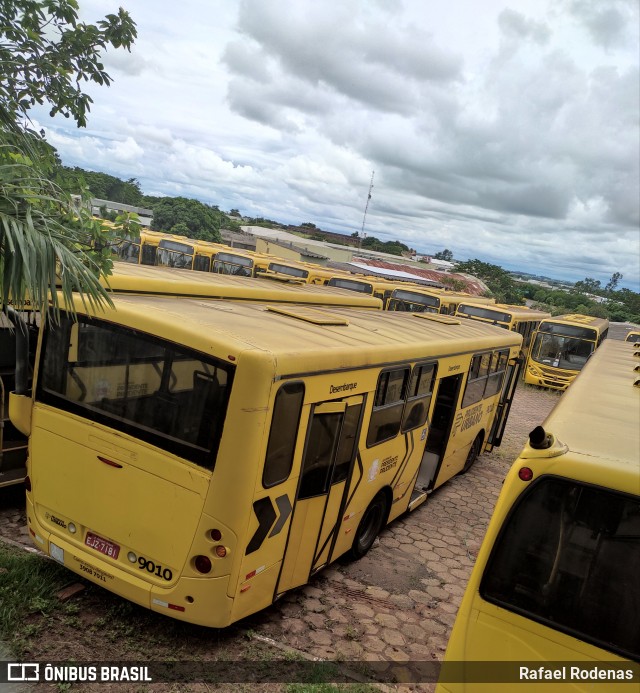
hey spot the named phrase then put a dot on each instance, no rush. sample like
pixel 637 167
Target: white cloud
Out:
pixel 509 134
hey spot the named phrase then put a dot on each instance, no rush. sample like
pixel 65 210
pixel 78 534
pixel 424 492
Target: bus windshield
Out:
pixel 567 557
pixel 413 302
pixel 173 254
pixel 287 269
pixel 351 285
pixel 167 395
pixel 486 314
pixel 228 263
pixel 128 250
pixel 561 352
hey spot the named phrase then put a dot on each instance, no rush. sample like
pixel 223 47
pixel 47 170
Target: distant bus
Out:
pixel 414 299
pixel 201 458
pixel 561 347
pixel 374 286
pixel 556 577
pixel 132 279
pixel 633 336
pixel 519 319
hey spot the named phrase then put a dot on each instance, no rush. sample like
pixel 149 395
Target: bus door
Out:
pixel 330 449
pixel 440 425
pixel 504 405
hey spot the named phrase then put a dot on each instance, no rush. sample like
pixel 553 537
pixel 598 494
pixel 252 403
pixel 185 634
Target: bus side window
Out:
pixel 418 396
pixel 477 379
pixel 568 556
pixel 283 434
pixel 496 374
pixel 387 406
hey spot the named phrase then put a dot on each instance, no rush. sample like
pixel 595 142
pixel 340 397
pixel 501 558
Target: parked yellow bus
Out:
pixel 138 279
pixel 556 578
pixel 417 299
pixel 201 458
pixel 561 347
pixel 633 336
pixel 143 249
pixel 516 318
pixel 374 286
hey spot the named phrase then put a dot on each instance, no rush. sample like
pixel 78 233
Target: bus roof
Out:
pixel 146 279
pixel 579 320
pixel 598 414
pixel 303 338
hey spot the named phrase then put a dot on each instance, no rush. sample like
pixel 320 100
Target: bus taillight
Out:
pixel 525 473
pixel 202 564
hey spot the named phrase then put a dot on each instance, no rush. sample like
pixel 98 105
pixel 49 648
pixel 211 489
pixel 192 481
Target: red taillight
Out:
pixel 202 564
pixel 215 534
pixel 525 473
pixel 221 551
pixel 27 483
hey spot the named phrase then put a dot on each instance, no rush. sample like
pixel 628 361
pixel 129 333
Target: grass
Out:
pixel 28 587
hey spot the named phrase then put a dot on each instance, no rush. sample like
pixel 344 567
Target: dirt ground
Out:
pixel 395 605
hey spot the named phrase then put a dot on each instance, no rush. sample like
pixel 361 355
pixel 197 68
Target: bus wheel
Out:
pixel 370 525
pixel 474 451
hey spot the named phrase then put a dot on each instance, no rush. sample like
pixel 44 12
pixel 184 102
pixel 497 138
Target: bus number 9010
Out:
pixel 156 569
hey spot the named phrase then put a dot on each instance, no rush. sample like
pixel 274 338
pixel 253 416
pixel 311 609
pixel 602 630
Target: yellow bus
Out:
pixel 374 286
pixel 561 347
pixel 138 279
pixel 417 299
pixel 633 336
pixel 556 578
pixel 143 249
pixel 201 458
pixel 516 318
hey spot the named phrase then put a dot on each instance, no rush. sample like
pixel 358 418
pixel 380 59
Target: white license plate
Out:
pixel 56 553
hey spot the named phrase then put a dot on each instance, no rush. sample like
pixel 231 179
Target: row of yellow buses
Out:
pixel 201 457
pixel 556 579
pixel 168 250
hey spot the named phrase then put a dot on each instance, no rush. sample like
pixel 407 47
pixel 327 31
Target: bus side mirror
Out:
pixel 20 412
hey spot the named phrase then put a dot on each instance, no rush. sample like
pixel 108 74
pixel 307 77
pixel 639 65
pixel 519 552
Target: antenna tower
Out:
pixel 366 207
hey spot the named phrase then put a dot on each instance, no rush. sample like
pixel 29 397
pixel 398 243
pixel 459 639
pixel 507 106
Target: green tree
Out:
pixel 498 280
pixel 613 282
pixel 46 55
pixel 588 285
pixel 445 254
pixel 203 222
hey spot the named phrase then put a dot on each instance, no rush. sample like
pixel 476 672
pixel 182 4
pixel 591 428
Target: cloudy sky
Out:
pixel 504 130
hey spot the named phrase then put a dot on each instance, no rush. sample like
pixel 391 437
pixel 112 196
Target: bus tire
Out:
pixel 474 451
pixel 370 525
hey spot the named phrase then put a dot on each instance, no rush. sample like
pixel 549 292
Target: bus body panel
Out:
pixel 100 476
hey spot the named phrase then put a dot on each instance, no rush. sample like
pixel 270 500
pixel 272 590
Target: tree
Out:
pixel 498 280
pixel 445 254
pixel 203 222
pixel 613 282
pixel 45 56
pixel 588 285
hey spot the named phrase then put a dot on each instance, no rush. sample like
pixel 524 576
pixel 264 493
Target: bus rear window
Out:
pixel 152 389
pixel 568 557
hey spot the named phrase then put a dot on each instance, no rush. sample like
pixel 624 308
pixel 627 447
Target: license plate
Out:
pixel 108 548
